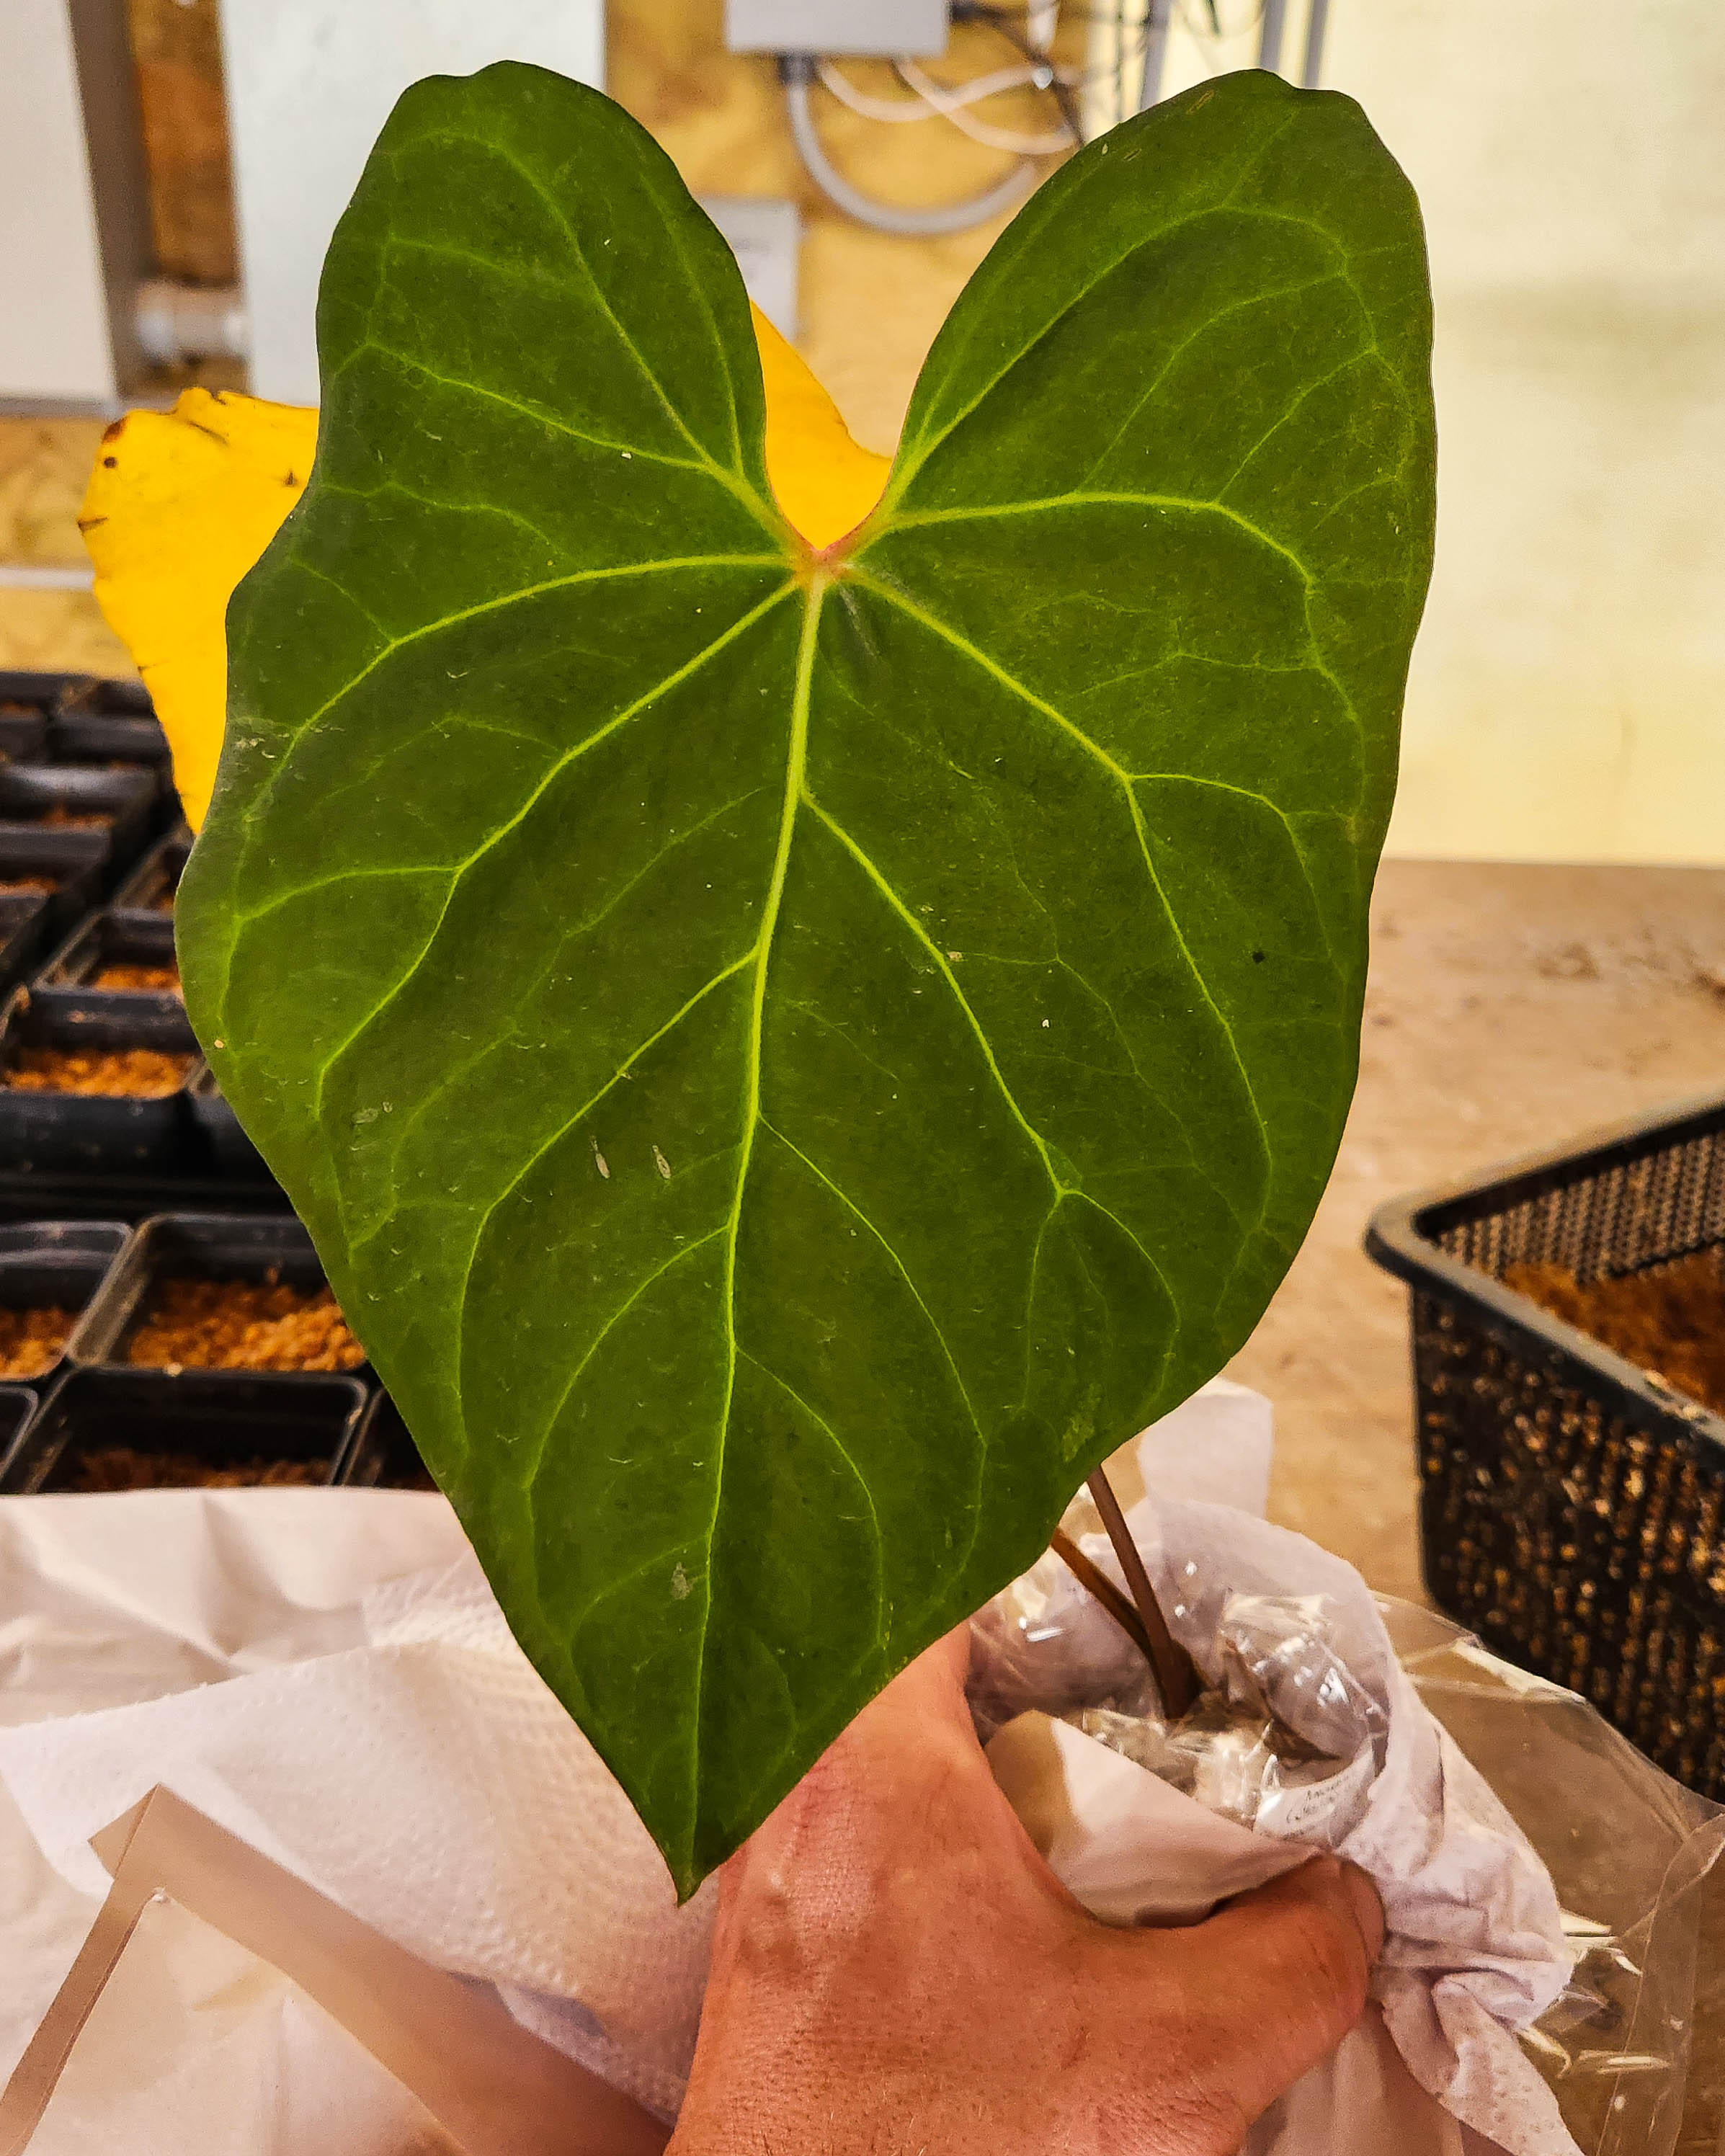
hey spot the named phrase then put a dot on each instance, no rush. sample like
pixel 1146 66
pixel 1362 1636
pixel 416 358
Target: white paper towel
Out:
pixel 419 1772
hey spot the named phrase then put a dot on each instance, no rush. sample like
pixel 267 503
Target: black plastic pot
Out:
pixel 220 1246
pixel 74 862
pixel 126 794
pixel 23 928
pixel 138 902
pixel 1572 1507
pixel 221 1419
pixel 64 988
pixel 235 1157
pixel 96 721
pixel 57 1265
pixel 93 1132
pixel 385 1456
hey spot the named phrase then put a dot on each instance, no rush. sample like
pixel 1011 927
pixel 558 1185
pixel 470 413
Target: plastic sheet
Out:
pixel 1629 1852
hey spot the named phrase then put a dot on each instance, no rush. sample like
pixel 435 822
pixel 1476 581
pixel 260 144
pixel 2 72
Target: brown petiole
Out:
pixel 1141 1618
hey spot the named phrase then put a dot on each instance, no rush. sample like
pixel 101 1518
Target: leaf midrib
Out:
pixel 796 760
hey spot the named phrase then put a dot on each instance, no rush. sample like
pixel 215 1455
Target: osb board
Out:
pixel 59 632
pixel 870 304
pixel 176 45
pixel 45 467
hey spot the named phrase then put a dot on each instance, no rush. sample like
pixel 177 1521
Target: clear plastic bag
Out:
pixel 1282 1717
pixel 1287 1725
pixel 1286 1740
pixel 1629 1852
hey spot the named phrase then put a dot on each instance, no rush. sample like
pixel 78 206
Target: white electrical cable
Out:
pixel 1022 76
pixel 798 71
pixel 1050 144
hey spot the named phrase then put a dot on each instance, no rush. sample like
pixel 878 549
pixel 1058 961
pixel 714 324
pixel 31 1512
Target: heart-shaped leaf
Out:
pixel 789 1058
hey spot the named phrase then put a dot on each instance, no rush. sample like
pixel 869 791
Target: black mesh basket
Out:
pixel 1572 1507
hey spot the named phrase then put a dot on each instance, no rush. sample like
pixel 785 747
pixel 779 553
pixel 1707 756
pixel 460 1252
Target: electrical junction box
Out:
pixel 844 29
pixel 765 235
pixel 310 84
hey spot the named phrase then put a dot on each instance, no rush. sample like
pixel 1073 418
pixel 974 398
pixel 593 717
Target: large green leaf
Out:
pixel 788 1059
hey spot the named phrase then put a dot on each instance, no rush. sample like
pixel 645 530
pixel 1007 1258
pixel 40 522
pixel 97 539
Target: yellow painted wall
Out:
pixel 1568 697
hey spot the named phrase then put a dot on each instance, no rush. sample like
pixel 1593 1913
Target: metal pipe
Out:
pixel 1276 17
pixel 1156 19
pixel 1316 24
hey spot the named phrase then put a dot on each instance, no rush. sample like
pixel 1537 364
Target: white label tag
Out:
pixel 1324 1812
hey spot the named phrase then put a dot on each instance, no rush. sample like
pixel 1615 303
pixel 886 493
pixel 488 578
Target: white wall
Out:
pixel 54 310
pixel 310 84
pixel 1567 697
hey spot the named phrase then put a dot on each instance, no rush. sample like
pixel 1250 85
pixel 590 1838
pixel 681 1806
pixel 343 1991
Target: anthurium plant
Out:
pixel 803 1002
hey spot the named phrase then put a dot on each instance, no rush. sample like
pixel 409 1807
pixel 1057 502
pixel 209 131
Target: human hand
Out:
pixel 894 1970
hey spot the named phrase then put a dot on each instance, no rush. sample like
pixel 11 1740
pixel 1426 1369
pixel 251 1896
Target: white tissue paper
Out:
pixel 326 1674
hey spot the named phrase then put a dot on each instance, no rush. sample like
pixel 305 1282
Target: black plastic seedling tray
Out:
pixel 25 686
pixel 57 1265
pixel 28 1195
pixel 235 1156
pixel 126 794
pixel 219 1246
pixel 96 721
pixel 18 1404
pixel 23 926
pixel 89 1131
pixel 385 1456
pixel 1573 1505
pixel 221 1419
pixel 91 1165
pixel 24 727
pixel 144 902
pixel 66 988
pixel 28 702
pixel 74 862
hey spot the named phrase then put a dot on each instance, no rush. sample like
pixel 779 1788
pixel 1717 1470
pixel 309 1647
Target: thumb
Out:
pixel 1290 1962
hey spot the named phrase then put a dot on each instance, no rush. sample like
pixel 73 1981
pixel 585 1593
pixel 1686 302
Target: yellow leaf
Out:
pixel 824 482
pixel 182 504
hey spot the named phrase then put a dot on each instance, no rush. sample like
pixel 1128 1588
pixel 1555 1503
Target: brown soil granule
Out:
pixel 1671 1322
pixel 60 818
pixel 138 977
pixel 144 1073
pixel 124 1467
pixel 31 1340
pixel 31 883
pixel 243 1325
